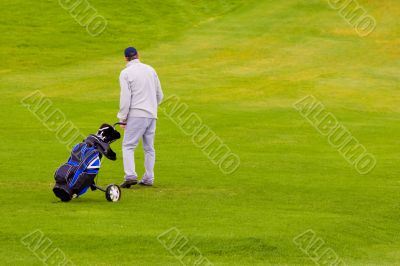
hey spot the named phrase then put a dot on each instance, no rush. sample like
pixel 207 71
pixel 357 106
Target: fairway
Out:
pixel 242 68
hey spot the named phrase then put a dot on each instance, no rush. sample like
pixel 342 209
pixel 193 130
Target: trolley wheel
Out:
pixel 113 193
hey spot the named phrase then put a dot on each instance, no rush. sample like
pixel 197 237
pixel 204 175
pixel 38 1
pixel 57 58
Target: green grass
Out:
pixel 239 65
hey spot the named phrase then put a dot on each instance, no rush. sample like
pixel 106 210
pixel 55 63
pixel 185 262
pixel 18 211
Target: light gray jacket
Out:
pixel 141 91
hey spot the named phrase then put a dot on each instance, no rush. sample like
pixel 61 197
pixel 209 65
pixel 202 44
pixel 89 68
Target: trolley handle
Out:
pixel 119 123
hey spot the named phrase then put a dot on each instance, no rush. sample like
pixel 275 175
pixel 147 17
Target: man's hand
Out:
pixel 123 125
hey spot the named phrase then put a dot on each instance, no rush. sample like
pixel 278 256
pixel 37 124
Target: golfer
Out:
pixel 141 94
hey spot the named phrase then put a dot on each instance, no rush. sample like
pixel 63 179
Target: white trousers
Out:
pixel 139 128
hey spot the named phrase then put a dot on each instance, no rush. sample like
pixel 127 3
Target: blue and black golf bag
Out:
pixel 76 176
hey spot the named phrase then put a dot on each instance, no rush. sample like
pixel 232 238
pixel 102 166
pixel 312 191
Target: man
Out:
pixel 141 94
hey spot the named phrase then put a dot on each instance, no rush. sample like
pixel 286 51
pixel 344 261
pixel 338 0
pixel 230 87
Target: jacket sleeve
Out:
pixel 125 97
pixel 159 92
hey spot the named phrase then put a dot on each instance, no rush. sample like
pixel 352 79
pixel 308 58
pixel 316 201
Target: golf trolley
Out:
pixel 74 177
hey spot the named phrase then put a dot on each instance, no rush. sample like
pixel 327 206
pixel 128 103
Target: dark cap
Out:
pixel 130 51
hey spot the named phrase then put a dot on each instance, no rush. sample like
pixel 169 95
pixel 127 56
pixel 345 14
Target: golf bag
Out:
pixel 76 176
